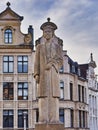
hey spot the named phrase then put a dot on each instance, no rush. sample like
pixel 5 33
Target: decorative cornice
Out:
pixel 16 46
pixel 93 89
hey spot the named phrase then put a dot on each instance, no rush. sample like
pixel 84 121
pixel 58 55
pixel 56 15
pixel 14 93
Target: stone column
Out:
pixel 15 118
pixel 67 117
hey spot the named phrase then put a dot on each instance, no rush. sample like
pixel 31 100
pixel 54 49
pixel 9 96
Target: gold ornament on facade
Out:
pixel 28 38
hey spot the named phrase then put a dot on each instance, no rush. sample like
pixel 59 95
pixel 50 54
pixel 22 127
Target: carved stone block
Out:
pixel 49 127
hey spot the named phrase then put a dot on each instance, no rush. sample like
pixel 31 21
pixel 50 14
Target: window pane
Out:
pixel 19 67
pixel 25 85
pixel 25 68
pixel 5 69
pixel 19 85
pixel 61 115
pixel 10 35
pixel 10 112
pixel 25 58
pixel 10 67
pixel 5 58
pixel 61 90
pixel 10 40
pixel 10 58
pixel 11 122
pixel 5 112
pixel 61 93
pixel 20 58
pixel 25 92
pixel 20 92
pixel 62 84
pixel 61 69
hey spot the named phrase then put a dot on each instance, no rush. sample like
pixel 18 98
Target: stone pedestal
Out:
pixel 49 127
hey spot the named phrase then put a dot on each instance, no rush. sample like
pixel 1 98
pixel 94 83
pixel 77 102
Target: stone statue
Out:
pixel 48 61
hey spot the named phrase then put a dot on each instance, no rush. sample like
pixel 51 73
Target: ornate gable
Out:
pixel 9 14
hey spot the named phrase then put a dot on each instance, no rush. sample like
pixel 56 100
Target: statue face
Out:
pixel 48 33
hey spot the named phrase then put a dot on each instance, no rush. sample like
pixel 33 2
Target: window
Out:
pixel 73 68
pixel 83 118
pixel 22 91
pixel 37 115
pixel 61 90
pixel 79 72
pixel 8 118
pixel 71 118
pixel 79 93
pixel 61 115
pixel 22 64
pixel 82 93
pixel 80 121
pixel 8 36
pixel 21 118
pixel 8 64
pixel 71 91
pixel 8 93
pixel 61 69
pixel 85 96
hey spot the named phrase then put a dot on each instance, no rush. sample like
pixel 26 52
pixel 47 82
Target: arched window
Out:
pixel 8 36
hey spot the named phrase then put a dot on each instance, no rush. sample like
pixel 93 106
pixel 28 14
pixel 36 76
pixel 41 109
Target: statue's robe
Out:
pixel 48 61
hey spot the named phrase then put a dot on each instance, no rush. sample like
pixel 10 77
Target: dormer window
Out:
pixel 8 36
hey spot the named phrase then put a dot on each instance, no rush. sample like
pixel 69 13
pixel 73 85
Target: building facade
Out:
pixel 18 90
pixel 89 74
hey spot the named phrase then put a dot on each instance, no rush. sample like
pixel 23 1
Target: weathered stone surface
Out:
pixel 48 60
pixel 49 127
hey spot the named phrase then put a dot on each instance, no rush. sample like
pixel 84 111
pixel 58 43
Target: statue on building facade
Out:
pixel 48 61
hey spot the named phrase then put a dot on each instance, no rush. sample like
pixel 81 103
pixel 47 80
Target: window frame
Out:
pixel 22 91
pixel 21 118
pixel 79 92
pixel 71 118
pixel 83 96
pixel 9 89
pixel 61 90
pixel 61 115
pixel 22 64
pixel 8 63
pixel 8 116
pixel 71 91
pixel 8 36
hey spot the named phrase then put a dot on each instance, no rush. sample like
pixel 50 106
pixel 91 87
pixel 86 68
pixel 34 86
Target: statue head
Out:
pixel 48 29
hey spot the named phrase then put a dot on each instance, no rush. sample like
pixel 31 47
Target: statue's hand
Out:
pixel 37 78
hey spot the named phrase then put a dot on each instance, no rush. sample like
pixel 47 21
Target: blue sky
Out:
pixel 77 22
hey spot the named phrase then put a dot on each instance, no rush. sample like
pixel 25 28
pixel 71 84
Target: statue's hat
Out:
pixel 49 24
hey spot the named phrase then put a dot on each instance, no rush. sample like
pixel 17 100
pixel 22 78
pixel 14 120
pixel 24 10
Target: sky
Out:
pixel 77 22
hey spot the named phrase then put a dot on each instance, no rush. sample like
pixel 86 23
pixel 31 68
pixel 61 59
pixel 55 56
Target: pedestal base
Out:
pixel 49 127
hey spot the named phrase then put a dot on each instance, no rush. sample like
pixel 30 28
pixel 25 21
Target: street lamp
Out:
pixel 24 117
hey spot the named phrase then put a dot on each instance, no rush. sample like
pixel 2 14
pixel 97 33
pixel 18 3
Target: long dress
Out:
pixel 48 60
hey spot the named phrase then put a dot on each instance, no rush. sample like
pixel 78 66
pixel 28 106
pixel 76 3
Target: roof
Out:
pixel 8 11
pixel 83 69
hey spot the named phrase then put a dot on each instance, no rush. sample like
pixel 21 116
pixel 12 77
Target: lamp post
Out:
pixel 24 117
